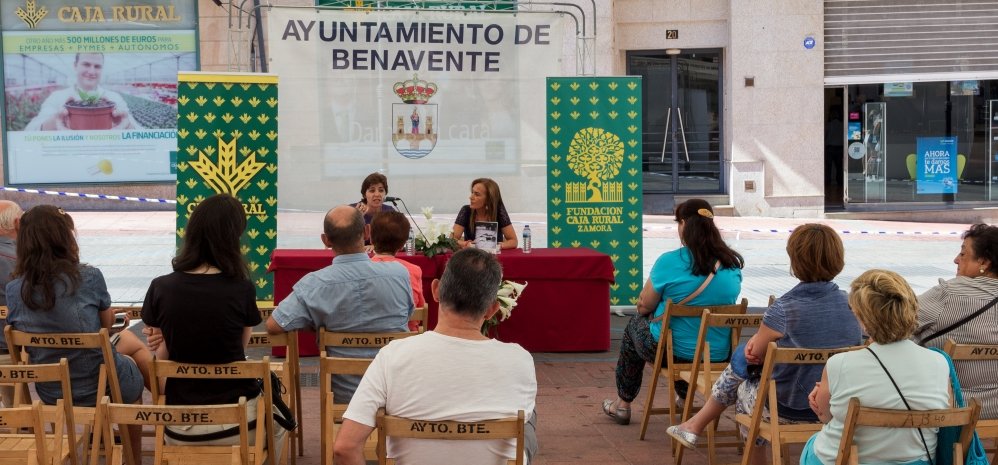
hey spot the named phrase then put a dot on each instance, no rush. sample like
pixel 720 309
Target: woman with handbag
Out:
pixel 204 312
pixel 883 376
pixel 798 319
pixel 963 309
pixel 704 271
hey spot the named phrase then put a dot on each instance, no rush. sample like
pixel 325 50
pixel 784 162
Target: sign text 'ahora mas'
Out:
pixel 381 57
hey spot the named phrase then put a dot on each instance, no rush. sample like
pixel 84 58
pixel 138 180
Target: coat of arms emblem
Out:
pixel 414 121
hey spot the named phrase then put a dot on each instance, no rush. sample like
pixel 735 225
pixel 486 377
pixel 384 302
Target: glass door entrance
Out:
pixel 682 123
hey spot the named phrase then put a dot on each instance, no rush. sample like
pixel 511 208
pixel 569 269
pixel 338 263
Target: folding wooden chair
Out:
pixel 287 371
pixel 6 392
pixel 266 308
pixel 264 439
pixel 177 415
pixel 977 352
pixel 704 373
pixel 134 312
pixel 504 428
pixel 780 436
pixel 37 447
pixel 331 412
pixel 419 316
pixel 858 416
pixel 23 375
pixel 663 358
pixel 18 342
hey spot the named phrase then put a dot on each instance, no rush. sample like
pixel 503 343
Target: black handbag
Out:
pixel 284 416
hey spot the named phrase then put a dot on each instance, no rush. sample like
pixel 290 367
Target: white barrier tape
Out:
pixel 87 196
pixel 840 231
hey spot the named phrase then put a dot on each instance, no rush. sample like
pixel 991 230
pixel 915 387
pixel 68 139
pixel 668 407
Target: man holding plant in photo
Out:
pixel 54 116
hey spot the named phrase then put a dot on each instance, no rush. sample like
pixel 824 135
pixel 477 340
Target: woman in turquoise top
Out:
pixel 676 275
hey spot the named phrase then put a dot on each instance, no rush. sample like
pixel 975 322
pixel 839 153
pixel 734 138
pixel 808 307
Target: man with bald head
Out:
pixel 354 294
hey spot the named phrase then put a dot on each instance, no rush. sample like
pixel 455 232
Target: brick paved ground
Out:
pixel 132 248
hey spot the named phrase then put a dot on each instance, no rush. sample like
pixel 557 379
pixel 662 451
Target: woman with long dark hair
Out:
pixel 484 204
pixel 677 275
pixel 53 292
pixel 204 313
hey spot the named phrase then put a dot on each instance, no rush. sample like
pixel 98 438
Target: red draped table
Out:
pixel 565 307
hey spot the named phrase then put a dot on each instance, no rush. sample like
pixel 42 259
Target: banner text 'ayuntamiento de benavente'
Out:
pixel 385 35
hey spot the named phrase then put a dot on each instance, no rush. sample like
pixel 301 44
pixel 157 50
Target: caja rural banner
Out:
pixel 594 173
pixel 90 89
pixel 227 144
pixel 434 98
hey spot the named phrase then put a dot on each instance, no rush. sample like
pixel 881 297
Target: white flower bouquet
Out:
pixel 435 237
pixel 509 292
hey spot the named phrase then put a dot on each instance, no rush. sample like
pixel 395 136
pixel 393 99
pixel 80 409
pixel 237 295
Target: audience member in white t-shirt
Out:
pixel 450 373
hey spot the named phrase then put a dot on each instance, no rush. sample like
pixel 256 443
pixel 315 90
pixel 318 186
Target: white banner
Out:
pixel 433 99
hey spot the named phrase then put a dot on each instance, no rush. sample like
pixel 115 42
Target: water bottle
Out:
pixel 410 244
pixel 526 238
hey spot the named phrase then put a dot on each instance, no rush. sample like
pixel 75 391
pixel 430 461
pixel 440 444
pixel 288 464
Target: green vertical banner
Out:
pixel 227 144
pixel 594 173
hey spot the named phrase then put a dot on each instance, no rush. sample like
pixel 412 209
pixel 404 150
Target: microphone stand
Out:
pixel 410 216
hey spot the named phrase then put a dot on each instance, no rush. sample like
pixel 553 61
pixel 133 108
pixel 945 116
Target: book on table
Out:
pixel 487 236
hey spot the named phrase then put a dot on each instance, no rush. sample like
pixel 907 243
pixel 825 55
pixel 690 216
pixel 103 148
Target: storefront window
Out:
pixel 922 142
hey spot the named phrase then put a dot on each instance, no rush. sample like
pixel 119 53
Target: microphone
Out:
pixel 411 219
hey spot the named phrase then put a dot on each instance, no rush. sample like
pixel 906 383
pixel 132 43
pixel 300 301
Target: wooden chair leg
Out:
pixel 646 415
pixel 711 437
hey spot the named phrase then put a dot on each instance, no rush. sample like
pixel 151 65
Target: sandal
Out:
pixel 686 438
pixel 620 415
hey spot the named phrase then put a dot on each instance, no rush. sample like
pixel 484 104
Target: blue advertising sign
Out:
pixel 809 42
pixel 936 165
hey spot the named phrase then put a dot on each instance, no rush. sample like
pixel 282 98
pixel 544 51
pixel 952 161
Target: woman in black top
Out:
pixel 484 204
pixel 204 312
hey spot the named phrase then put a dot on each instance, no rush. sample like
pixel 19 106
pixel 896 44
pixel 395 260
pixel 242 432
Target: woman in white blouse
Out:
pixel 887 309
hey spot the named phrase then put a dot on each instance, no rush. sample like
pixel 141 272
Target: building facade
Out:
pixel 788 108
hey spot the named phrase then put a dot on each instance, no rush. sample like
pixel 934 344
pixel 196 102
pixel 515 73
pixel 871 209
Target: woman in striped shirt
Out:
pixel 974 287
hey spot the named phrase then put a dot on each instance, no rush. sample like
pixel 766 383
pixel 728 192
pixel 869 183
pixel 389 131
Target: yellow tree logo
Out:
pixel 30 14
pixel 596 155
pixel 227 177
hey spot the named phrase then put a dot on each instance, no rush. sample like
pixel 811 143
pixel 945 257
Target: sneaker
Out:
pixel 620 415
pixel 684 437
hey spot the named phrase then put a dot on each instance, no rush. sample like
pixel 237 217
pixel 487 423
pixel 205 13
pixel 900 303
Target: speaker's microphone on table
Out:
pixel 411 219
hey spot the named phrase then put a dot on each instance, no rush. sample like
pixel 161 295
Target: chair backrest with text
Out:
pixel 264 439
pixel 970 353
pixel 331 412
pixel 858 416
pixel 664 358
pixel 107 378
pixel 23 375
pixel 780 435
pixel 110 414
pixel 397 427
